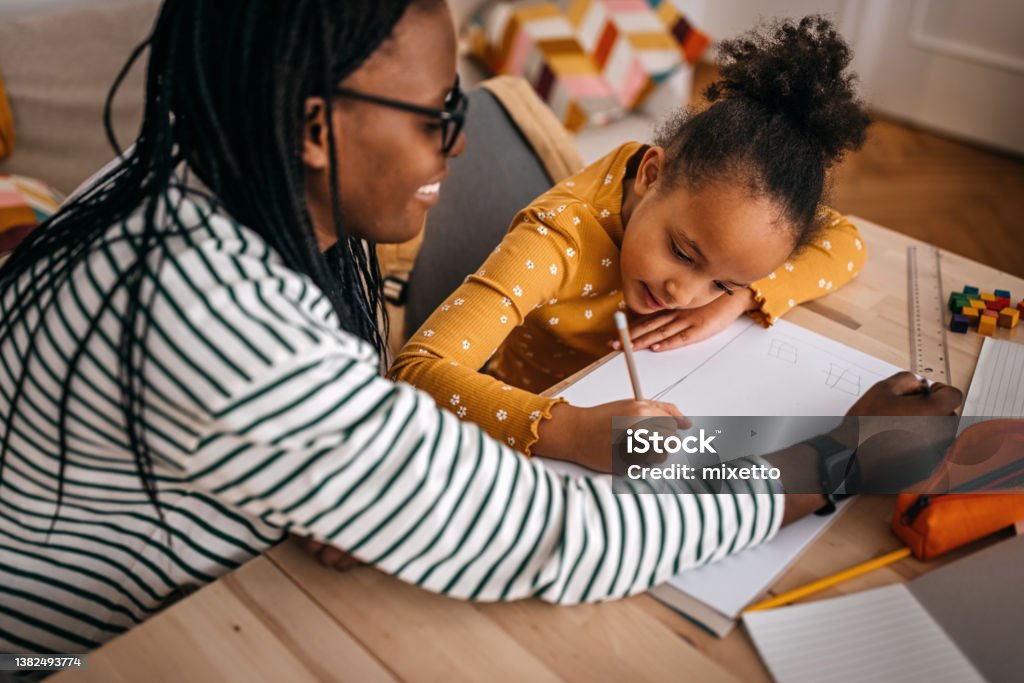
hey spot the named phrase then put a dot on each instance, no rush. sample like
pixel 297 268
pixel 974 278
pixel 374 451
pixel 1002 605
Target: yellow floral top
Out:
pixel 541 306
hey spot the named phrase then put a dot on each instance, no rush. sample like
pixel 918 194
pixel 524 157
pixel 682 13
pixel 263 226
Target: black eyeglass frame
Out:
pixel 452 118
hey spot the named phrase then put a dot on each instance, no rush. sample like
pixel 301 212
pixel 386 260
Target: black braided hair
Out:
pixel 783 112
pixel 225 91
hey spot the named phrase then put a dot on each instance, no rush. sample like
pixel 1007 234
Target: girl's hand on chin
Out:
pixel 667 330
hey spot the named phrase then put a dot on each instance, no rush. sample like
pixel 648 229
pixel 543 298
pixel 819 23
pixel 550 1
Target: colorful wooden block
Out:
pixel 968 289
pixel 1002 293
pixel 987 296
pixel 987 326
pixel 1004 300
pixel 1020 307
pixel 989 313
pixel 960 323
pixel 978 303
pixel 1008 318
pixel 997 305
pixel 957 300
pixel 971 313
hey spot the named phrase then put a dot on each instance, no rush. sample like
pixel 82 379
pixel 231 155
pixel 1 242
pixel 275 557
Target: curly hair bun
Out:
pixel 797 70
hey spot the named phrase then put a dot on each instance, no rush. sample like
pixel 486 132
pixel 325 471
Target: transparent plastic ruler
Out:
pixel 929 353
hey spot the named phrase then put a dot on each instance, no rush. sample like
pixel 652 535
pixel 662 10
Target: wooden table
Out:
pixel 283 617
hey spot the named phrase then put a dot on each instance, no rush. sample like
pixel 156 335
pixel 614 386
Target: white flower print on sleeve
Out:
pixel 454 400
pixel 570 252
pixel 542 229
pixel 529 264
pixel 606 262
pixel 553 321
pixel 517 290
pixel 459 301
pixel 501 415
pixel 588 314
pixel 553 269
pixel 461 412
pixel 428 333
pixel 506 301
pixel 465 345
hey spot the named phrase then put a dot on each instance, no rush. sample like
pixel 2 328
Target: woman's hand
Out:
pixel 902 429
pixel 329 556
pixel 666 330
pixel 905 394
pixel 584 435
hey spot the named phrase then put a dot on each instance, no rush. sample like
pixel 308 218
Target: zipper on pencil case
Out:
pixel 911 514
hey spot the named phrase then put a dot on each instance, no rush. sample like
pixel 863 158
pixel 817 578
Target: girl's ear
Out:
pixel 650 171
pixel 315 154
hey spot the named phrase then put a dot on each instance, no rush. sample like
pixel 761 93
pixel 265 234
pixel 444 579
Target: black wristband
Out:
pixel 836 469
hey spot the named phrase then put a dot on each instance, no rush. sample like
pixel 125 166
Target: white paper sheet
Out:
pixel 878 635
pixel 747 370
pixel 997 388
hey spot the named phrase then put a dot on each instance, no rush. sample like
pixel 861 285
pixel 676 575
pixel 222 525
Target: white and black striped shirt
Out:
pixel 265 418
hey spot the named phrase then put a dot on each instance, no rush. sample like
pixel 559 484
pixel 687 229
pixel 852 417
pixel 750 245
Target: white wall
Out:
pixel 726 18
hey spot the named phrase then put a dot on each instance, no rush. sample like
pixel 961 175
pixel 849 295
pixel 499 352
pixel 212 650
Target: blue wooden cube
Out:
pixel 959 323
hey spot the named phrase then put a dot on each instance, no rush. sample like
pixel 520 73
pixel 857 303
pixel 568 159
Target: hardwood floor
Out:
pixel 955 195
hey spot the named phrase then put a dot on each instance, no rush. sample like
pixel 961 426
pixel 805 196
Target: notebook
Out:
pixel 997 388
pixel 961 623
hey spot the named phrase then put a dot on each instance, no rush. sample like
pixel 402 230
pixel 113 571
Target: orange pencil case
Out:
pixel 931 525
pixel 986 457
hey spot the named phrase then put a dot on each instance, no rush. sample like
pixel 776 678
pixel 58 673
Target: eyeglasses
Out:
pixel 452 118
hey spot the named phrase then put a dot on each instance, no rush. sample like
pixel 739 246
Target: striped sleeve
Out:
pixel 311 439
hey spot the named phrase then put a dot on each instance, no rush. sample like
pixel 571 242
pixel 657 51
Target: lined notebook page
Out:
pixel 997 389
pixel 878 635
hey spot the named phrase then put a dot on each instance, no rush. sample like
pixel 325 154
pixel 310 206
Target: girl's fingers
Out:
pixel 647 324
pixel 663 332
pixel 673 342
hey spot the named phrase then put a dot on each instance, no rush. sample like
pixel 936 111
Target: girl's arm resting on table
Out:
pixel 832 259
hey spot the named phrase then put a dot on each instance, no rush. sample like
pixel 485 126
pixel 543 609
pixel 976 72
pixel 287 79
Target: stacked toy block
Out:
pixel 983 310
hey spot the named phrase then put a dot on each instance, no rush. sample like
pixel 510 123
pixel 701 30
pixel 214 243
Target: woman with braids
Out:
pixel 190 351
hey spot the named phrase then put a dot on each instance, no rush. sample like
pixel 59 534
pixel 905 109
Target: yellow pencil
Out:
pixel 829 581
